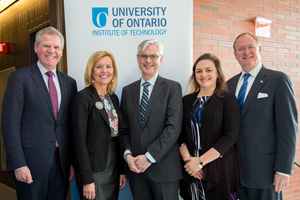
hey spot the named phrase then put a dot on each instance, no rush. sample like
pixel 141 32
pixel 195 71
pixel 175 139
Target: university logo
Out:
pixel 99 16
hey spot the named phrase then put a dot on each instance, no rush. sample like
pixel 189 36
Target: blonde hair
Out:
pixel 111 87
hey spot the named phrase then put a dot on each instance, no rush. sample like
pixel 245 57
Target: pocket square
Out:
pixel 262 95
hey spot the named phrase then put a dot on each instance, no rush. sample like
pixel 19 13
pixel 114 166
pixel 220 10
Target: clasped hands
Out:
pixel 137 164
pixel 193 168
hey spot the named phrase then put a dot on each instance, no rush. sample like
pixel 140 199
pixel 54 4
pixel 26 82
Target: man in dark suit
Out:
pixel 35 123
pixel 153 117
pixel 268 131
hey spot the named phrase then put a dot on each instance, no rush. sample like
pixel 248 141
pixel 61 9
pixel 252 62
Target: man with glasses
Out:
pixel 152 112
pixel 268 131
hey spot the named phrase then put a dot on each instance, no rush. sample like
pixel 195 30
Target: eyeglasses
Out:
pixel 249 48
pixel 152 57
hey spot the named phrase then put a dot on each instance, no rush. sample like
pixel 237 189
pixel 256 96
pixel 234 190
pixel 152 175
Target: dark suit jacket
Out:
pixel 268 130
pixel 219 129
pixel 91 134
pixel 28 124
pixel 160 131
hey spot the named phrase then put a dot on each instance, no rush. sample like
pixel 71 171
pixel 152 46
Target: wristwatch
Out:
pixel 201 164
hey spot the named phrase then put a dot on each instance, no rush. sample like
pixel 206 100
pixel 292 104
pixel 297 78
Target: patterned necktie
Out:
pixel 241 95
pixel 144 101
pixel 54 97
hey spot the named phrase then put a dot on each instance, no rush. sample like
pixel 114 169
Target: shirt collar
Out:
pixel 44 69
pixel 253 72
pixel 151 80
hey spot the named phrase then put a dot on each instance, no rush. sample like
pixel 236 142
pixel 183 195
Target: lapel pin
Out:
pixel 99 105
pixel 261 81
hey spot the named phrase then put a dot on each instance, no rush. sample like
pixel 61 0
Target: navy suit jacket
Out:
pixel 160 131
pixel 28 123
pixel 268 129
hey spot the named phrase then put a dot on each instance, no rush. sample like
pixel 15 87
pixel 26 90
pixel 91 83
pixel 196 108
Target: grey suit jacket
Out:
pixel 28 123
pixel 268 129
pixel 160 131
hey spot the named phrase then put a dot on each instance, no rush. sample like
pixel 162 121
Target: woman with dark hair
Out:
pixel 96 117
pixel 210 128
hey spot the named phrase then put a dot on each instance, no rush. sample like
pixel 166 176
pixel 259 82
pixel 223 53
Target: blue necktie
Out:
pixel 144 101
pixel 241 95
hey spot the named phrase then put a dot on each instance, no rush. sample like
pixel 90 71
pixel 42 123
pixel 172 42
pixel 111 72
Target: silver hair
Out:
pixel 143 45
pixel 51 31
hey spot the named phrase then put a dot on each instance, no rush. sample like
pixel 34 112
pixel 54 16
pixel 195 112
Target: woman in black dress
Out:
pixel 211 120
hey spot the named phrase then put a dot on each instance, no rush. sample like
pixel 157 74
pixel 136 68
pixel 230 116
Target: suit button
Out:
pixel 142 133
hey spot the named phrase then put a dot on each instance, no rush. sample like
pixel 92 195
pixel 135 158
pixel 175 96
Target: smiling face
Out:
pixel 103 72
pixel 49 50
pixel 149 66
pixel 206 75
pixel 247 52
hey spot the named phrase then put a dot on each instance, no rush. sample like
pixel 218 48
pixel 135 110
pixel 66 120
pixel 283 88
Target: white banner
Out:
pixel 118 26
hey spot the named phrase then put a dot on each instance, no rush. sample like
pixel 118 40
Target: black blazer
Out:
pixel 219 129
pixel 91 134
pixel 28 124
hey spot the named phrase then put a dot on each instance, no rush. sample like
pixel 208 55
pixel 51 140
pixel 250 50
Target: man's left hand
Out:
pixel 280 182
pixel 142 163
pixel 72 173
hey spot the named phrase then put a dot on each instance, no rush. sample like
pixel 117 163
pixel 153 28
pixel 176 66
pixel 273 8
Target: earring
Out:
pixel 92 80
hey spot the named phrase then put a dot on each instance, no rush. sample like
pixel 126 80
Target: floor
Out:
pixel 7 193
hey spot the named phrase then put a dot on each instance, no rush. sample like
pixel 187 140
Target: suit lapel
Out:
pixel 233 83
pixel 63 91
pixel 158 88
pixel 259 81
pixel 40 83
pixel 96 99
pixel 136 100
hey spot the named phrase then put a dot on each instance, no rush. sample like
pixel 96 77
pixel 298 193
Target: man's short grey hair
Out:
pixel 51 31
pixel 143 45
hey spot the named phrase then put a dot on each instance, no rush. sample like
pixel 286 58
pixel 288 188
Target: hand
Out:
pixel 24 175
pixel 71 173
pixel 198 174
pixel 142 163
pixel 280 182
pixel 192 165
pixel 131 163
pixel 89 191
pixel 122 182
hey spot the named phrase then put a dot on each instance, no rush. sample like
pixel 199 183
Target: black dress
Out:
pixel 211 122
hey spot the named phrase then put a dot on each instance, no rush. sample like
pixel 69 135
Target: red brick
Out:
pixel 284 3
pixel 208 19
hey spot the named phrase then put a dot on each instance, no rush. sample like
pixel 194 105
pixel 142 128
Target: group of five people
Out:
pixel 221 141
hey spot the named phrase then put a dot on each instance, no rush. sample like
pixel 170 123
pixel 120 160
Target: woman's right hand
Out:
pixel 89 191
pixel 198 174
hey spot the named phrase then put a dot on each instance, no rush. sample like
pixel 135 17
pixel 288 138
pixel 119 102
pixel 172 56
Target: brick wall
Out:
pixel 218 22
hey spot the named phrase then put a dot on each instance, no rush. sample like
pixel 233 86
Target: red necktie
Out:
pixel 53 95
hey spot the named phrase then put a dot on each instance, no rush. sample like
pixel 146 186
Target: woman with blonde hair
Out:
pixel 95 121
